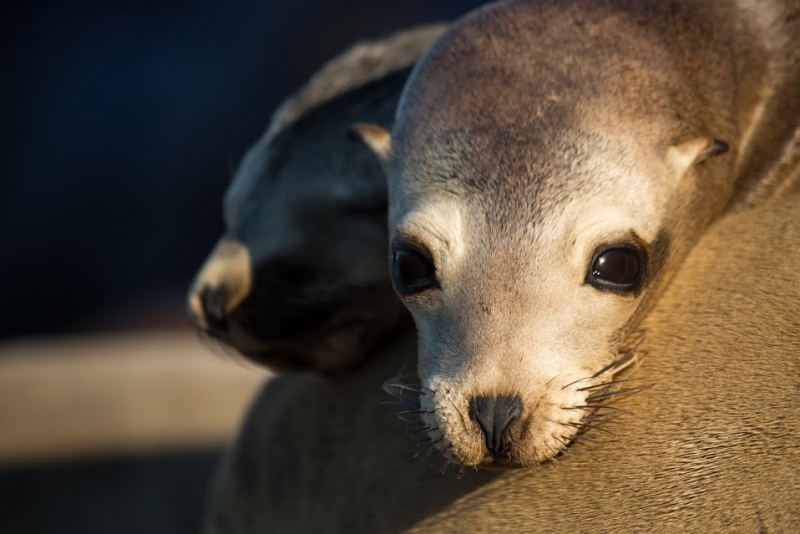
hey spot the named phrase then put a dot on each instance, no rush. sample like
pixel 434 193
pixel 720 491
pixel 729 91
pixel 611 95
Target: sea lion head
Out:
pixel 542 188
pixel 298 279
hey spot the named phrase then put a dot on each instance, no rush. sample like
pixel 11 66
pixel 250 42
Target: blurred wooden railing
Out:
pixel 100 396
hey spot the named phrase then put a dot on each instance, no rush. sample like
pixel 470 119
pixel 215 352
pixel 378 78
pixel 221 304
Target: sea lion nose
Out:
pixel 224 280
pixel 494 415
pixel 213 301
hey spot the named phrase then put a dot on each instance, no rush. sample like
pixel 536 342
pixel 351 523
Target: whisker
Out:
pixel 426 429
pixel 563 423
pixel 581 447
pixel 444 467
pixel 587 426
pixel 441 452
pixel 416 412
pixel 576 381
pixel 219 347
pixel 407 423
pixel 553 458
pixel 607 394
pixel 405 419
pixel 606 420
pixel 594 427
pixel 576 442
pixel 429 448
pixel 398 391
pixel 416 388
pixel 599 407
pixel 609 383
pixel 402 400
pixel 408 402
pixel 570 439
pixel 621 361
pixel 566 444
pixel 587 438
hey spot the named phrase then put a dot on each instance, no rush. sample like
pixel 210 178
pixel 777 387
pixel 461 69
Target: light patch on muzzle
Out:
pixel 228 268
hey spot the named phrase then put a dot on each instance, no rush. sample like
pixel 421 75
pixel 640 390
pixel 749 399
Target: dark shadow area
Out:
pixel 122 122
pixel 156 494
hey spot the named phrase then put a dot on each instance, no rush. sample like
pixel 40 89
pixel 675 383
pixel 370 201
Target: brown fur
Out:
pixel 712 446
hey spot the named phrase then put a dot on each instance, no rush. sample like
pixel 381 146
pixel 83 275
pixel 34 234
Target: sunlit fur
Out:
pixel 533 132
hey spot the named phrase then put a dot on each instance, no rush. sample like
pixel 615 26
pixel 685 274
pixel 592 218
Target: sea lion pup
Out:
pixel 550 166
pixel 297 281
pixel 712 446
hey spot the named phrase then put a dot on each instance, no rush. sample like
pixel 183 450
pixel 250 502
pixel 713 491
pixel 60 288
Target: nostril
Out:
pixel 494 415
pixel 213 300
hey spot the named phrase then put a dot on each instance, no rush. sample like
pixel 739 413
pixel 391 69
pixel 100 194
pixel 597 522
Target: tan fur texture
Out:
pixel 532 136
pixel 712 446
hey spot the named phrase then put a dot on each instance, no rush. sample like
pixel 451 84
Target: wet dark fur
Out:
pixel 307 209
pixel 297 299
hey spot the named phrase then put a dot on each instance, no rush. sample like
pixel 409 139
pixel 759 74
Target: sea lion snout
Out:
pixel 222 283
pixel 213 300
pixel 494 416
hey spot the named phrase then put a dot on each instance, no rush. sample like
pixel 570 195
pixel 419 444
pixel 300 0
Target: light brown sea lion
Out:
pixel 712 446
pixel 298 279
pixel 550 166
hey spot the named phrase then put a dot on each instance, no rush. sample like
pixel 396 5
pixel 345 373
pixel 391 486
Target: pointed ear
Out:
pixel 372 135
pixel 688 153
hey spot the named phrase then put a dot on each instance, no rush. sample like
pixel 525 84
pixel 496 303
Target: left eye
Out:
pixel 412 269
pixel 617 268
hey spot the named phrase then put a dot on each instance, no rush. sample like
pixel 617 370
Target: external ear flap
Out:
pixel 718 148
pixel 372 135
pixel 694 151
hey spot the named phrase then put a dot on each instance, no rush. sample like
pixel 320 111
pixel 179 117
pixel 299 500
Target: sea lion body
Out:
pixel 551 165
pixel 282 286
pixel 712 446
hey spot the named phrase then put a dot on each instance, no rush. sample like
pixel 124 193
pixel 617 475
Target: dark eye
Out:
pixel 617 268
pixel 412 269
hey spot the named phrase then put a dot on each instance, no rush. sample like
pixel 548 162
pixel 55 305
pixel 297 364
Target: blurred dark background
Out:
pixel 122 121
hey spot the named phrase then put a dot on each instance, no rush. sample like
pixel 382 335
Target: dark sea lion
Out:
pixel 298 280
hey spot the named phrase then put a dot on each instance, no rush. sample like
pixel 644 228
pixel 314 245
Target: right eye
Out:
pixel 618 268
pixel 412 269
